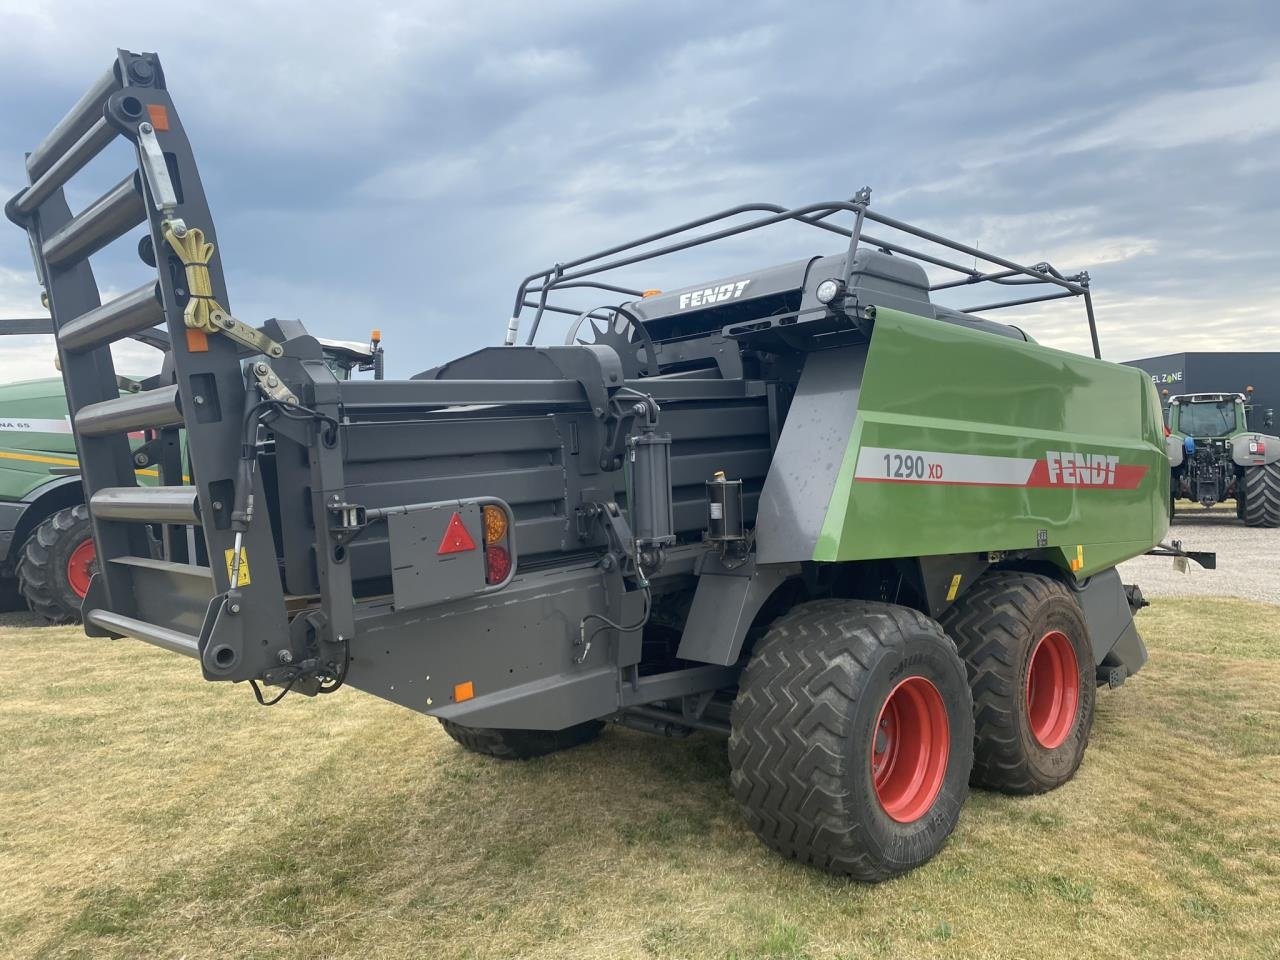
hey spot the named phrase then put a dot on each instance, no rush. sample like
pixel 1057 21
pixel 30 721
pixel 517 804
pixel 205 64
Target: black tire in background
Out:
pixel 1031 670
pixel 816 769
pixel 521 744
pixel 1262 495
pixel 52 572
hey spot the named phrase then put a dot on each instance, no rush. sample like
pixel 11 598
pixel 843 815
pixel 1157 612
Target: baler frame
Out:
pixel 526 541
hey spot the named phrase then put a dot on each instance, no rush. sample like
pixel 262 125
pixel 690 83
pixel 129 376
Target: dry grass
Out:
pixel 147 813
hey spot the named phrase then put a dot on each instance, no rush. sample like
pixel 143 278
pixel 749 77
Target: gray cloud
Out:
pixel 403 165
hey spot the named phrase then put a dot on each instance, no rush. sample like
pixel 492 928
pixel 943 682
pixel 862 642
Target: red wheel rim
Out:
pixel 909 749
pixel 80 567
pixel 1053 689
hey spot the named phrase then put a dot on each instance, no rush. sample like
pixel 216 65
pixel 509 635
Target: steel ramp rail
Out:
pixel 157 594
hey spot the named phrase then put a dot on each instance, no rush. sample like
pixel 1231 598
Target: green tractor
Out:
pixel 47 557
pixel 1214 457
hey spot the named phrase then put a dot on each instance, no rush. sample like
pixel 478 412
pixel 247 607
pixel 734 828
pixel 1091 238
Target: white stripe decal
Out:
pixel 29 425
pixel 891 465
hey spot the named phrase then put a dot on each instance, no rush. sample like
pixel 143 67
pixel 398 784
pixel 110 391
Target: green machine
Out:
pixel 47 557
pixel 1214 456
pixel 870 539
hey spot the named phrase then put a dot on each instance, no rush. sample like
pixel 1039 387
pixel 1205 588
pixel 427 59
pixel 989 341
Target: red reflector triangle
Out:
pixel 455 539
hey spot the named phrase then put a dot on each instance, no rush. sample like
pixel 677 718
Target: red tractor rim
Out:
pixel 80 567
pixel 910 746
pixel 1053 689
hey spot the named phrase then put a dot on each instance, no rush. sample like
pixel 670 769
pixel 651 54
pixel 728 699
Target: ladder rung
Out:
pixel 172 640
pixel 85 149
pixel 134 411
pixel 112 215
pixel 137 310
pixel 81 117
pixel 147 504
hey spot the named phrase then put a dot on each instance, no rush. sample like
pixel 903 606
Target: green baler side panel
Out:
pixel 988 422
pixel 35 436
pixel 36 443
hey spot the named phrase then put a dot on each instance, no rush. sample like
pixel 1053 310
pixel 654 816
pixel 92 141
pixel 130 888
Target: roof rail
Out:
pixel 535 289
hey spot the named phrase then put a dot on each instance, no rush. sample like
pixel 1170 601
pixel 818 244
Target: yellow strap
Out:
pixel 202 311
pixel 195 254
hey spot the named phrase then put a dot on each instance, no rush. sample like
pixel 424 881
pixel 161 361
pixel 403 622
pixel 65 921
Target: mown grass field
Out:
pixel 149 814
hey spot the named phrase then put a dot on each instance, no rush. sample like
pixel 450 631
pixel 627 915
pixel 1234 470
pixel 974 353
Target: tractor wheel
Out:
pixel 521 744
pixel 1031 669
pixel 1262 495
pixel 851 738
pixel 56 565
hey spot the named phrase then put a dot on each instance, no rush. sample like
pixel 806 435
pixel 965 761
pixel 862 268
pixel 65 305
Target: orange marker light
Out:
pixel 651 293
pixel 463 691
pixel 159 116
pixel 495 524
pixel 375 335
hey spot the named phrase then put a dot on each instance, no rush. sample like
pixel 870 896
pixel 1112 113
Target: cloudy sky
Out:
pixel 403 165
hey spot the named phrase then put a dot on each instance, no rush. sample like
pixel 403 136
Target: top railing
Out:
pixel 535 290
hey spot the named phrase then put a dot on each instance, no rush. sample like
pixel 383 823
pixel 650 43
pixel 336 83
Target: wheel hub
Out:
pixel 81 566
pixel 909 750
pixel 1053 689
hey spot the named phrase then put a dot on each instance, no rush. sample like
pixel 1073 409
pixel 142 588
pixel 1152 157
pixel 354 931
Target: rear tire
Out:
pixel 851 738
pixel 1262 495
pixel 56 563
pixel 1031 670
pixel 521 744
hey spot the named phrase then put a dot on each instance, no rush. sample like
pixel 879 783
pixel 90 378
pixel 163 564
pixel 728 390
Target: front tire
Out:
pixel 851 738
pixel 56 564
pixel 1262 495
pixel 507 744
pixel 1031 670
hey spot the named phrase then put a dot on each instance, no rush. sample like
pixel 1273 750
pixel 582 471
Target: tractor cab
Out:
pixel 1207 416
pixel 345 357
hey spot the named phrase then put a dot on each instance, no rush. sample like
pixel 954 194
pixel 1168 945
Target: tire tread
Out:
pixel 1262 495
pixel 37 580
pixel 507 744
pixel 786 747
pixel 988 624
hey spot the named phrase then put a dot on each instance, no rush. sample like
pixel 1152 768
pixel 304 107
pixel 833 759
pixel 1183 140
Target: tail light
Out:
pixel 497 564
pixel 497 551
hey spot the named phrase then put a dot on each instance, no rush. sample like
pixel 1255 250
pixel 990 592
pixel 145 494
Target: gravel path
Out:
pixel 1248 560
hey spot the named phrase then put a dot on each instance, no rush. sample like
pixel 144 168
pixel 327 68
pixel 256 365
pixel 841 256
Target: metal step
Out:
pixel 85 149
pixel 108 218
pixel 148 409
pixel 146 504
pixel 175 594
pixel 79 119
pixel 132 313
pixel 172 640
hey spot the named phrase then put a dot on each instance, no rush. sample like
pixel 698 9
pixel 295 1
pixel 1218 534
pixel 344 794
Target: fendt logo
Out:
pixel 1056 469
pixel 713 295
pixel 1081 469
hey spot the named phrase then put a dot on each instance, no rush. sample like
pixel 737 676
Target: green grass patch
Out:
pixel 151 814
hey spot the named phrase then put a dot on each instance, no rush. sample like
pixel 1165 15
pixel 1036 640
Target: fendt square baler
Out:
pixel 870 538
